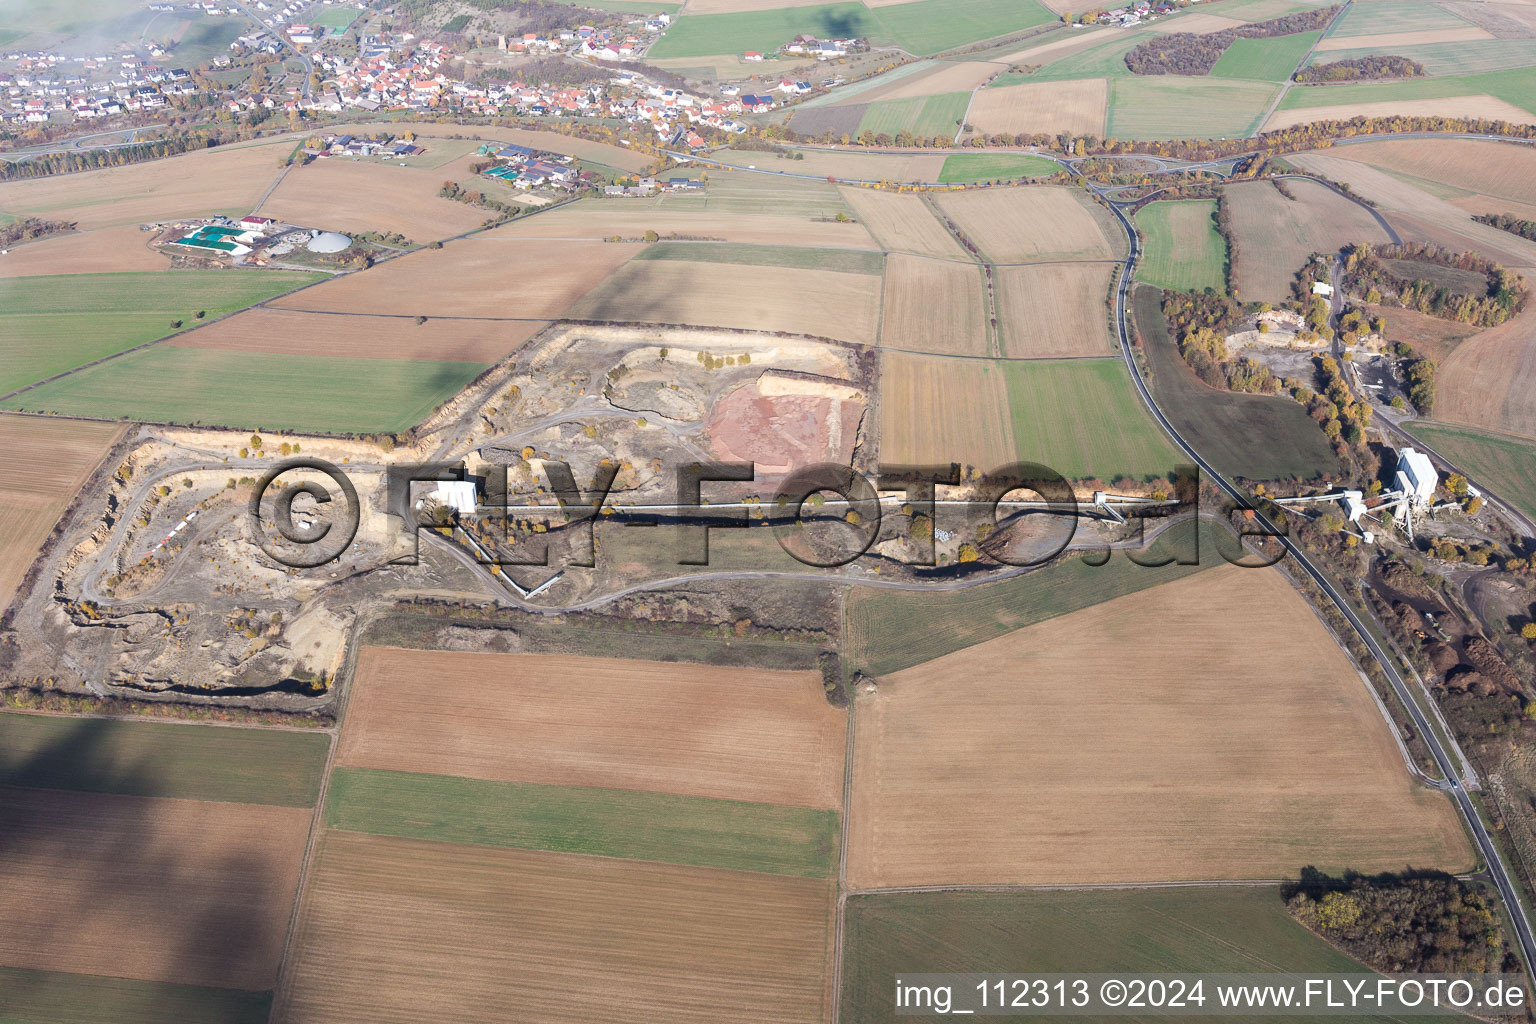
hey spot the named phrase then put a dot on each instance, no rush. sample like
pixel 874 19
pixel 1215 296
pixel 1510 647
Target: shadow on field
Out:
pixel 105 876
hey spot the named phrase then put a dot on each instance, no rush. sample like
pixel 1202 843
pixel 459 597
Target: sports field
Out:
pixel 1082 418
pixel 934 306
pixel 1264 60
pixel 1054 309
pixel 659 827
pixel 156 759
pixel 56 322
pixel 43 462
pixel 1056 769
pixel 1503 462
pixel 727 734
pixel 890 630
pixel 1255 437
pixel 1189 928
pixel 967 167
pixel 335 19
pixel 398 930
pixel 1183 250
pixel 1276 235
pixel 1025 224
pixel 217 387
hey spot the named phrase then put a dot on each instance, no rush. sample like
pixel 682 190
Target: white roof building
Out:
pixel 458 495
pixel 1421 479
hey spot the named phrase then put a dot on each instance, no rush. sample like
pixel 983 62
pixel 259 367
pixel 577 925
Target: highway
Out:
pixel 1498 871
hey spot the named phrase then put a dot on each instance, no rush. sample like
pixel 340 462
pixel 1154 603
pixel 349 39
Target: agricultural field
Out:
pixel 1184 251
pixel 87 999
pixel 837 261
pixel 889 630
pixel 324 394
pixel 1275 235
pixel 1388 42
pixel 284 332
pixel 1478 177
pixel 923 27
pixel 1204 769
pixel 1188 928
pixel 227 180
pixel 1054 310
pixel 595 219
pixel 935 411
pixel 1429 335
pixel 844 306
pixel 1443 57
pixel 1502 462
pixel 769 737
pixel 923 116
pixel 357 196
pixel 870 167
pixel 1264 60
pixel 1490 380
pixel 658 827
pixel 105 251
pixel 154 759
pixel 1083 418
pixel 57 322
pixel 468 278
pixel 1504 95
pixel 903 222
pixel 42 465
pixel 1020 225
pixel 1368 19
pixel 934 306
pixel 969 167
pixel 1253 437
pixel 1076 107
pixel 1168 106
pixel 399 930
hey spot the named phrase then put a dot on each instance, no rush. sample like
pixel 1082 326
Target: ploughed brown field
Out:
pixel 682 292
pixel 160 890
pixel 596 219
pixel 935 411
pixel 1503 174
pixel 1077 107
pixel 1208 728
pixel 1490 380
pixel 399 931
pixel 471 277
pixel 695 730
pixel 285 332
pixel 1023 225
pixel 229 179
pixel 1055 309
pixel 914 166
pixel 1276 235
pixel 355 196
pixel 104 251
pixel 902 222
pixel 934 306
pixel 43 462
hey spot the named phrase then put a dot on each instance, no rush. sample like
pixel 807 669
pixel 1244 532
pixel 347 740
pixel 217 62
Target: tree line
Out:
pixel 1504 222
pixel 91 159
pixel 32 228
pixel 1366 275
pixel 1192 54
pixel 1358 69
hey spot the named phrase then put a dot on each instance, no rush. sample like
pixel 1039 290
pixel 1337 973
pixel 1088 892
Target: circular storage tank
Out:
pixel 328 241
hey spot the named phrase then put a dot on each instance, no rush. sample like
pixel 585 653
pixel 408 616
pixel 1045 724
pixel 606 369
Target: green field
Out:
pixel 843 261
pixel 1474 57
pixel 184 762
pixel 1083 418
pixel 336 19
pixel 51 997
pixel 923 116
pixel 1170 107
pixel 889 630
pixel 1254 437
pixel 749 192
pixel 924 27
pixel 1371 19
pixel 798 841
pixel 1264 60
pixel 963 167
pixel 212 387
pixel 1180 929
pixel 1105 60
pixel 1504 463
pixel 1182 249
pixel 1517 87
pixel 204 39
pixel 54 323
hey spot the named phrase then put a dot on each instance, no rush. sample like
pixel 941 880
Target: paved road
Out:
pixel 1498 871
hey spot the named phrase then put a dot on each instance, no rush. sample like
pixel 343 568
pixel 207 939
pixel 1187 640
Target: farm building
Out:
pixel 328 242
pixel 232 241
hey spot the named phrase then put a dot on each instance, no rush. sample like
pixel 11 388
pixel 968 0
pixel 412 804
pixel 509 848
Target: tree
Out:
pixel 651 235
pixel 968 553
pixel 1528 630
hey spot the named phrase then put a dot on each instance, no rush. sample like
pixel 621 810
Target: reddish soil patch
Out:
pixel 783 432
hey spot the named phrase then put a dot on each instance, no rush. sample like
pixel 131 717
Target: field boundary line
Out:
pixel 1258 126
